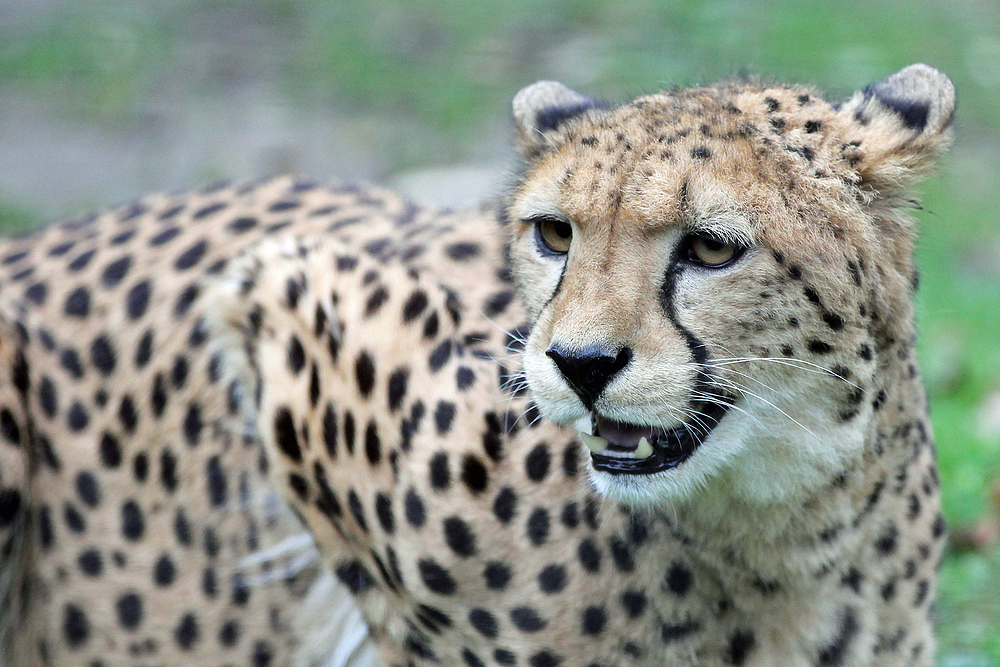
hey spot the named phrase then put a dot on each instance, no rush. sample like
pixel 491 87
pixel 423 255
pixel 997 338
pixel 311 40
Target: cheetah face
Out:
pixel 707 279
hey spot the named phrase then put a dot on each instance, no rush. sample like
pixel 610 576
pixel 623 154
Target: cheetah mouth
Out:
pixel 620 448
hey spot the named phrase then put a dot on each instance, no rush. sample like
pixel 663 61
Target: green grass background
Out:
pixel 445 71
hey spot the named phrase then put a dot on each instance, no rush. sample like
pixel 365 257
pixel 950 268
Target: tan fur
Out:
pixel 366 355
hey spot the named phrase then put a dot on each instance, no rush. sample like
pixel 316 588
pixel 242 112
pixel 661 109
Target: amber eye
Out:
pixel 711 252
pixel 554 234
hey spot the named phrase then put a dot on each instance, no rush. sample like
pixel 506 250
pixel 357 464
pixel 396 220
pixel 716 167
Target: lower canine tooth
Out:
pixel 594 443
pixel 644 450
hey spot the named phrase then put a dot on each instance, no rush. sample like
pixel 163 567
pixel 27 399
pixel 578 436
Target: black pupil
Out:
pixel 713 244
pixel 562 229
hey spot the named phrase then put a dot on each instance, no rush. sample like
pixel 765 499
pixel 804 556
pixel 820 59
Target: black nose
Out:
pixel 589 371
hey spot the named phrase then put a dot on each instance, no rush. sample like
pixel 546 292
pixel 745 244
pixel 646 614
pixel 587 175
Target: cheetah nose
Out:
pixel 588 371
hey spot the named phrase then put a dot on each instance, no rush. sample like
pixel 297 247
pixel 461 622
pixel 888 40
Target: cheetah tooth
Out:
pixel 644 450
pixel 594 443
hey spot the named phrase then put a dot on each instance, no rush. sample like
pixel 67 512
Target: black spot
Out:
pixel 364 371
pixel 634 603
pixel 376 300
pixel 621 554
pixel 413 507
pixel 165 236
pixel 819 347
pixel 527 619
pixel 88 489
pixel 357 510
pixel 436 578
pixel 36 293
pixel 544 659
pixel 834 321
pixel 505 504
pixel 701 153
pixel 537 463
pixel 164 571
pixel 670 633
pixel 186 633
pixel 414 306
pixel 888 540
pixel 498 303
pixel 111 451
pixel 263 654
pixel 440 475
pixel 299 485
pixel 497 575
pixel 570 515
pixel 937 530
pixel 78 418
pixel 48 396
pixel 484 622
pixel 330 431
pixel 462 251
pixel 326 502
pixel 552 579
pixel 138 300
pixel 216 479
pixel 537 527
pixel 78 303
pixel 383 510
pixel 349 431
pixel 133 524
pixel 90 563
pixel 464 377
pixel 679 579
pixel 354 575
pixel 836 652
pixel 397 388
pixel 76 627
pixel 474 474
pixel 102 354
pixel 193 426
pixel 144 351
pixel 229 633
pixel 373 444
pixel 589 555
pixel 285 435
pixel 444 415
pixel 191 256
pixel 440 355
pixel 740 644
pixel 296 355
pixel 185 300
pixel 69 359
pixel 593 620
pixel 81 261
pixel 129 609
pixel 127 414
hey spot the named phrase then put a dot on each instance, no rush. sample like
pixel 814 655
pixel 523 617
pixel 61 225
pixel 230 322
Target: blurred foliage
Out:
pixel 452 66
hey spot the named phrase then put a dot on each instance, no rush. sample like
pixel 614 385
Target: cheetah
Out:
pixel 658 405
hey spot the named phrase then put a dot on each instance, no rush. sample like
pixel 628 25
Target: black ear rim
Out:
pixel 551 118
pixel 914 114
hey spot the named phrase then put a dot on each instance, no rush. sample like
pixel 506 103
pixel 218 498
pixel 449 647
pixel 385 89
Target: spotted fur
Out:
pixel 361 367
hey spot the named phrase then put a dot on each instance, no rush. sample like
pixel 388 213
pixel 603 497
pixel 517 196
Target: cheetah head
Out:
pixel 716 275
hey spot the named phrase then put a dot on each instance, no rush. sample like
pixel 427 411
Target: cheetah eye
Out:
pixel 711 252
pixel 553 234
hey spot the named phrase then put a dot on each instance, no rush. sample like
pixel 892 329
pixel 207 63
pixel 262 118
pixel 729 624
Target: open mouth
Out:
pixel 634 449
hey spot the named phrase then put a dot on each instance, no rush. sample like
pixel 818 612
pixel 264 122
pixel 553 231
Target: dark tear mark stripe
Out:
pixel 674 270
pixel 555 292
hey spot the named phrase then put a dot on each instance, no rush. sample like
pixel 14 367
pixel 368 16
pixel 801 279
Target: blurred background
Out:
pixel 103 101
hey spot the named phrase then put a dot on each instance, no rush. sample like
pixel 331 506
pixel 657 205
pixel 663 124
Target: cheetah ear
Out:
pixel 542 108
pixel 898 126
